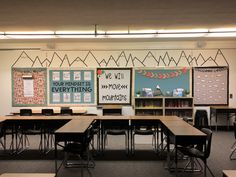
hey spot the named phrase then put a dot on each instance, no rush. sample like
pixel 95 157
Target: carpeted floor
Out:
pixel 115 163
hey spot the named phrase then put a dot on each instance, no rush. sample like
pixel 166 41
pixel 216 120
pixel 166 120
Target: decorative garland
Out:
pixel 154 75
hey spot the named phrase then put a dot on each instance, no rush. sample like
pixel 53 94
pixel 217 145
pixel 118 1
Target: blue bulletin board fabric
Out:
pixel 166 79
pixel 71 86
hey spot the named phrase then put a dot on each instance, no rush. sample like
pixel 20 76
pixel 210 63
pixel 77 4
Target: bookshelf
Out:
pixel 179 106
pixel 148 106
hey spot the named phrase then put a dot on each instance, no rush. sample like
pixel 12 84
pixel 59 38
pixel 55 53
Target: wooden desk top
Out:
pixel 110 117
pixel 112 107
pixel 182 128
pixel 76 125
pixel 27 175
pixel 37 117
pixel 229 173
pixel 222 107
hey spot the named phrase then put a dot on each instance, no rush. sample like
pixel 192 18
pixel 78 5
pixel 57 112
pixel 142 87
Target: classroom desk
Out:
pixel 179 132
pixel 215 110
pixel 13 122
pixel 27 175
pixel 74 130
pixel 229 173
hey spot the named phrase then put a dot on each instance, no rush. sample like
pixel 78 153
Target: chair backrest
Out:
pixel 115 124
pixel 25 112
pixel 144 124
pixel 208 132
pixel 47 112
pixel 2 131
pixel 201 119
pixel 66 112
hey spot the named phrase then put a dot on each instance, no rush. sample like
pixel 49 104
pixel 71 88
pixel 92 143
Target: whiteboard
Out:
pixel 114 85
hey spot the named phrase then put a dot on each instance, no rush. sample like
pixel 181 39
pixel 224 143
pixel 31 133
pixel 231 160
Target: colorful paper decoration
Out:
pixel 155 75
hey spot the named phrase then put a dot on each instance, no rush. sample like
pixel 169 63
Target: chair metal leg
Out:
pixel 232 153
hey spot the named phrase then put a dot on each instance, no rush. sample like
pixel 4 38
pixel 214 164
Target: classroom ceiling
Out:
pixel 32 15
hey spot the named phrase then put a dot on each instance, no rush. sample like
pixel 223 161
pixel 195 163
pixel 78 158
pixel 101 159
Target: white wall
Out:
pixel 11 50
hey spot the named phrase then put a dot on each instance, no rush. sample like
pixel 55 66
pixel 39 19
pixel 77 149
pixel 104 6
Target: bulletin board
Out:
pixel 114 86
pixel 29 87
pixel 165 79
pixel 211 85
pixel 71 86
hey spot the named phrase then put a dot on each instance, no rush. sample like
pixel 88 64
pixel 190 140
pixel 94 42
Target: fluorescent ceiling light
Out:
pixel 223 30
pixel 143 31
pixel 30 35
pixel 29 32
pixel 222 34
pixel 184 31
pixel 181 35
pixel 94 34
pixel 117 32
pixel 130 35
pixel 78 34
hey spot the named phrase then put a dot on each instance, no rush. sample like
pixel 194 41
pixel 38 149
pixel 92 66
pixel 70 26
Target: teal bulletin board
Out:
pixel 71 86
pixel 166 79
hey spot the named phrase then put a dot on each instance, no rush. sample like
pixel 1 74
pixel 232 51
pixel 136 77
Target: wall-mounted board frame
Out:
pixel 29 87
pixel 166 79
pixel 71 87
pixel 114 86
pixel 211 86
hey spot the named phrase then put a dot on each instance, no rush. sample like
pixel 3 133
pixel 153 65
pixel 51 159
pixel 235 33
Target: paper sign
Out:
pixel 28 87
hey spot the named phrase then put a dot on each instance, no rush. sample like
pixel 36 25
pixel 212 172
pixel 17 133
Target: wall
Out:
pixel 10 51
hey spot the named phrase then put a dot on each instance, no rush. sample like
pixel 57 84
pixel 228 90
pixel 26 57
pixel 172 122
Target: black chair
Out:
pixel 115 127
pixel 29 128
pixel 2 136
pixel 47 112
pixel 143 127
pixel 66 112
pixel 95 131
pixel 25 112
pixel 48 131
pixel 199 151
pixel 81 149
pixel 233 147
pixel 201 119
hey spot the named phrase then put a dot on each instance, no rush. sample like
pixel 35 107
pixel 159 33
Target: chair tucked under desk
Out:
pixel 115 127
pixel 2 136
pixel 48 131
pixel 146 128
pixel 28 128
pixel 66 112
pixel 233 147
pixel 199 151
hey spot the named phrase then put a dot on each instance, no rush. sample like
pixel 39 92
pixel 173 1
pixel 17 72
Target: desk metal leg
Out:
pixel 55 159
pixel 216 120
pixel 176 160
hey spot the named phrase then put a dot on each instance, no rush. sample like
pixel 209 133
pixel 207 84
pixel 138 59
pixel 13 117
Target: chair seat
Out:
pixel 75 148
pixel 116 132
pixel 192 152
pixel 143 132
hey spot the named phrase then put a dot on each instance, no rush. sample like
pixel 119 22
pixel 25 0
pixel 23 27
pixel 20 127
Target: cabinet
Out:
pixel 179 106
pixel 148 106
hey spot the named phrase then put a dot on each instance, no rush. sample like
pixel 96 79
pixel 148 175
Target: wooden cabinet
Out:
pixel 179 106
pixel 148 106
